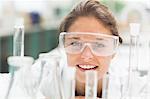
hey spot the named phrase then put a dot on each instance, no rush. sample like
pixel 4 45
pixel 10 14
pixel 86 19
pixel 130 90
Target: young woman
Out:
pixel 91 44
pixel 92 17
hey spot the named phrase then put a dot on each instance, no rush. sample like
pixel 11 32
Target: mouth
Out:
pixel 87 67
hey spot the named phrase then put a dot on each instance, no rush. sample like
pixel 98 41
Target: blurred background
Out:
pixel 42 19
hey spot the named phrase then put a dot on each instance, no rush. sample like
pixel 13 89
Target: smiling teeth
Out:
pixel 87 66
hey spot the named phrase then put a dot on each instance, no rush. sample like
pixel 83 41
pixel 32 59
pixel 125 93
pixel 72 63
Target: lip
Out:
pixel 85 67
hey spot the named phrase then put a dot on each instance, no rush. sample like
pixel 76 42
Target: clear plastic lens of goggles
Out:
pixel 98 52
pixel 74 43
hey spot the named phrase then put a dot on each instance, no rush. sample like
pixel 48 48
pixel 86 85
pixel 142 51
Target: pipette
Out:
pixel 91 85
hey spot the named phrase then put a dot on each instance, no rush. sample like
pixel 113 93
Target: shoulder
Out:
pixel 51 56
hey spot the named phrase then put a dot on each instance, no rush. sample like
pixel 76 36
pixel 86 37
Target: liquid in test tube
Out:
pixel 18 38
pixel 91 85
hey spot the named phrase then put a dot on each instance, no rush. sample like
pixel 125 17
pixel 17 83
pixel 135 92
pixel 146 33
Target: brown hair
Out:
pixel 91 8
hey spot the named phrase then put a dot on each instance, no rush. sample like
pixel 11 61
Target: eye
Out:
pixel 99 45
pixel 75 43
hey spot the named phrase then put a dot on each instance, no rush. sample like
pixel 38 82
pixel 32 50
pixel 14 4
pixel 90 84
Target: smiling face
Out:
pixel 86 59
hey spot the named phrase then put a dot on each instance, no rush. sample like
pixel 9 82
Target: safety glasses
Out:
pixel 99 44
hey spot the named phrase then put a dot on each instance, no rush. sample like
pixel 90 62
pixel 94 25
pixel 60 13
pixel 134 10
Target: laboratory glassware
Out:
pixel 91 85
pixel 18 48
pixel 18 38
pixel 68 78
pixel 16 62
pixel 114 86
pixel 50 75
pixel 137 76
pixel 133 56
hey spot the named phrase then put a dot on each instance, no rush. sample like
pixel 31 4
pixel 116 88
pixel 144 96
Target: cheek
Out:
pixel 104 65
pixel 71 59
pixel 105 61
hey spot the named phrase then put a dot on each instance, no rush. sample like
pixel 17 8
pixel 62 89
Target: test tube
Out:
pixel 69 82
pixel 18 38
pixel 91 85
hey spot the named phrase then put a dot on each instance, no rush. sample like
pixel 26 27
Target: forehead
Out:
pixel 89 24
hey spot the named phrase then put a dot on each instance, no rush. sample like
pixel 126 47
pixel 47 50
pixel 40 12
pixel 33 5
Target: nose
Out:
pixel 87 54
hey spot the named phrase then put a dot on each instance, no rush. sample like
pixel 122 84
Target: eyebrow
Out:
pixel 102 39
pixel 77 38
